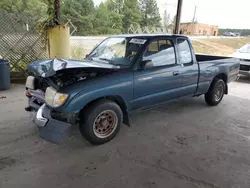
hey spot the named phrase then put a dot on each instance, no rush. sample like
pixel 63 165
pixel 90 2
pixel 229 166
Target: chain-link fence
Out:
pixel 20 43
pixel 137 29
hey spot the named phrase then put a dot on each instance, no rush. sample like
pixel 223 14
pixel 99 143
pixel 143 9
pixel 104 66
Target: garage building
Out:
pixel 190 28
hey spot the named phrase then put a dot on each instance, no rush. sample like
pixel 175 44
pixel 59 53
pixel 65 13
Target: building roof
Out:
pixel 196 23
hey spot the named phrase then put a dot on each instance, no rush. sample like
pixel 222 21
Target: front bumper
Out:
pixel 247 73
pixel 244 68
pixel 50 129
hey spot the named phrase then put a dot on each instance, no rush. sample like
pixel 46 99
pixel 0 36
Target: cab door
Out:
pixel 189 68
pixel 162 80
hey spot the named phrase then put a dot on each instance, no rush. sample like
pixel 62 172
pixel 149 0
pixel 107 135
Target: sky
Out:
pixel 224 13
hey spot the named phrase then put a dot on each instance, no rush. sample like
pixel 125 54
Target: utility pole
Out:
pixel 193 21
pixel 194 14
pixel 178 17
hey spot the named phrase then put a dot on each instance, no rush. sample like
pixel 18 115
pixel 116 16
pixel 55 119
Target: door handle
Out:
pixel 176 73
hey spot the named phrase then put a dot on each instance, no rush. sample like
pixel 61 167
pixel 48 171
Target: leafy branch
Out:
pixel 47 21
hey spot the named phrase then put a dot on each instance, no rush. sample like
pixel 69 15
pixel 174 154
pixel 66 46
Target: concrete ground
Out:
pixel 184 144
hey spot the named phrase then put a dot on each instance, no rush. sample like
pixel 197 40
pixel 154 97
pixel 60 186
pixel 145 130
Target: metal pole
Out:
pixel 194 14
pixel 178 18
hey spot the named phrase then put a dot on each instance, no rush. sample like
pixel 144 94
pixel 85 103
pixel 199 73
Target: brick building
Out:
pixel 190 28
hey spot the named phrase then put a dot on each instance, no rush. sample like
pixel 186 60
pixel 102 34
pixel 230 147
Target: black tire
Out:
pixel 212 97
pixel 92 113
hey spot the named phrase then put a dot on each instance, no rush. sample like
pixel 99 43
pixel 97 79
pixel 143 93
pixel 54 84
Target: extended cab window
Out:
pixel 160 52
pixel 185 54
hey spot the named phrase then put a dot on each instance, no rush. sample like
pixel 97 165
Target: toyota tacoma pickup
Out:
pixel 123 74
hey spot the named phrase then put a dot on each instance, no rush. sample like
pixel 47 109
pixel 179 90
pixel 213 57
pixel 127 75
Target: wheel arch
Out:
pixel 115 98
pixel 224 77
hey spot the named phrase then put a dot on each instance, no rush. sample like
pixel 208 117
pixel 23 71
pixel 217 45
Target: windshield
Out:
pixel 117 50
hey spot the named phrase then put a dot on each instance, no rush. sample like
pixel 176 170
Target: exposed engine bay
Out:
pixel 67 77
pixel 59 73
pixel 36 89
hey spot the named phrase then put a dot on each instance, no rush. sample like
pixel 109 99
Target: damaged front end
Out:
pixel 52 125
pixel 46 78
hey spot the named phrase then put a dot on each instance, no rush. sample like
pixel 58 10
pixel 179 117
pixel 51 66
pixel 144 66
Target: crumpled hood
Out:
pixel 47 68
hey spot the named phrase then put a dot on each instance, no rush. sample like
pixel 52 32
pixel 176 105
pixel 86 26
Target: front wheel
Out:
pixel 215 92
pixel 101 122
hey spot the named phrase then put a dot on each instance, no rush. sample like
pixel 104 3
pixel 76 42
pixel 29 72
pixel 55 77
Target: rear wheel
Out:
pixel 215 92
pixel 101 122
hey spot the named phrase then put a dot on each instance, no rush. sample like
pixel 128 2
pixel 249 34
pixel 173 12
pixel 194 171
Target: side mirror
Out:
pixel 146 64
pixel 86 56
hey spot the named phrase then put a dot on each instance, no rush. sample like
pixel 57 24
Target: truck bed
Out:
pixel 210 66
pixel 202 57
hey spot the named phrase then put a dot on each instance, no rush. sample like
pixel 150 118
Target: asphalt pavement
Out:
pixel 183 144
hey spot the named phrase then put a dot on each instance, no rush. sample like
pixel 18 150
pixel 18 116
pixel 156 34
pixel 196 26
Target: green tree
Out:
pixel 115 5
pixel 166 20
pixel 116 22
pixel 33 9
pixel 131 14
pixel 173 22
pixel 150 13
pixel 23 14
pixel 81 13
pixel 103 23
pixel 115 16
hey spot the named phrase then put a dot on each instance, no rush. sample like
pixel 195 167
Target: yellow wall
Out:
pixel 59 42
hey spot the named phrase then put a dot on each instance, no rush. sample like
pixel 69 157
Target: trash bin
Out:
pixel 4 74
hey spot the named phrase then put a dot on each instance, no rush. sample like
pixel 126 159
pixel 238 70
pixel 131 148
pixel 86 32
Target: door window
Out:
pixel 185 54
pixel 160 52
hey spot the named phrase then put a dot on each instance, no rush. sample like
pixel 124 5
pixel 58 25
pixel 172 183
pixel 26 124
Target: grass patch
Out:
pixel 219 46
pixel 234 43
pixel 77 53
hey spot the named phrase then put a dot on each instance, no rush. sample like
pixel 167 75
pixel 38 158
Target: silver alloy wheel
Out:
pixel 105 124
pixel 218 93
